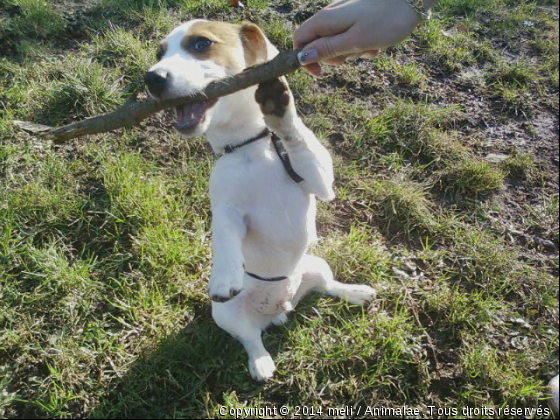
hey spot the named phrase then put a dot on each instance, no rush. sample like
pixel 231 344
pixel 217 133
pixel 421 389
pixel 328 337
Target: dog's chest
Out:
pixel 276 209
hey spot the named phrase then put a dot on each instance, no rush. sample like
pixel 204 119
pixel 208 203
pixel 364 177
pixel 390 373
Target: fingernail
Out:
pixel 308 57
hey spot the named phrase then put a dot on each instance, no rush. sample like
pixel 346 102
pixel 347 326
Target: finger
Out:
pixel 319 25
pixel 365 54
pixel 336 61
pixel 328 48
pixel 370 54
pixel 354 56
pixel 314 69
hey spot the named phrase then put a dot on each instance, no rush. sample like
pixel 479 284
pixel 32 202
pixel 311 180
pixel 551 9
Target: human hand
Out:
pixel 349 29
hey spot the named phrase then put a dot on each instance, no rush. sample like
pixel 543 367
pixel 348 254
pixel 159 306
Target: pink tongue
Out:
pixel 190 115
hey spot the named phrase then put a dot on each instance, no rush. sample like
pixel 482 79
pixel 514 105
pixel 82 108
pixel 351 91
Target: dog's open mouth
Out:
pixel 190 116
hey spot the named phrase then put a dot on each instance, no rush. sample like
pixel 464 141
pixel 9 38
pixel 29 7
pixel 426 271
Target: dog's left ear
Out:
pixel 255 44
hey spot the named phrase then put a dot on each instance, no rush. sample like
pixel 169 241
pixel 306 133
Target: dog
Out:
pixel 262 188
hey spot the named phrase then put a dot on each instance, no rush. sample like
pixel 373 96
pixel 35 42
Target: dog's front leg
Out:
pixel 310 159
pixel 228 231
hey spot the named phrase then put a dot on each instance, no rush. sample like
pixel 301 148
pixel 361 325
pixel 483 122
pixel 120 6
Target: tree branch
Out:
pixel 132 113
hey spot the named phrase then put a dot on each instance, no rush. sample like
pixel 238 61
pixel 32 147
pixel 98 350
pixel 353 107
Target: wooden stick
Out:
pixel 132 113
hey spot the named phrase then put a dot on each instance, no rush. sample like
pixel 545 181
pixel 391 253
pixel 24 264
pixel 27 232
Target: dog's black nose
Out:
pixel 156 81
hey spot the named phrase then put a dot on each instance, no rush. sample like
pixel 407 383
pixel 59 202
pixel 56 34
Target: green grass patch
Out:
pixel 480 260
pixel 521 165
pixel 482 363
pixel 105 241
pixel 513 100
pixel 472 177
pixel 463 7
pixel 408 128
pixel 356 257
pixel 408 74
pixel 125 52
pixel 359 357
pixel 84 88
pixel 515 75
pixel 35 19
pixel 459 313
pixel 401 206
pixel 72 87
pixel 449 51
pixel 279 33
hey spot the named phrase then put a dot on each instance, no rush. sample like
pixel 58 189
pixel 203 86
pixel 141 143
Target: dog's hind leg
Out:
pixel 245 325
pixel 318 277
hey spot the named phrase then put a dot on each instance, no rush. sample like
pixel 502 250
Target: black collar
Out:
pixel 230 148
pixel 278 146
pixel 270 279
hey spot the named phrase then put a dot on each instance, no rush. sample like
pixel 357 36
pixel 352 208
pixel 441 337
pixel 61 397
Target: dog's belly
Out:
pixel 279 233
pixel 277 237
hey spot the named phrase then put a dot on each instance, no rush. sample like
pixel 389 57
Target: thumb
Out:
pixel 329 47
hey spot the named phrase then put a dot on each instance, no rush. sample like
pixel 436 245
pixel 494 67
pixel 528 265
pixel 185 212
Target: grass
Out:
pixel 35 19
pixel 521 165
pixel 404 73
pixel 511 85
pixel 473 177
pixel 105 243
pixel 124 51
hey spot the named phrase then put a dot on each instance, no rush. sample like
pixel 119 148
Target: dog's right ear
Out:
pixel 255 44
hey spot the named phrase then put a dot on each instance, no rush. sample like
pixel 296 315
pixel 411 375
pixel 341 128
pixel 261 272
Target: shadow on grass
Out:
pixel 189 374
pixel 177 377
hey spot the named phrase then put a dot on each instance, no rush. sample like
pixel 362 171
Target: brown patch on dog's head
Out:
pixel 161 50
pixel 254 43
pixel 225 43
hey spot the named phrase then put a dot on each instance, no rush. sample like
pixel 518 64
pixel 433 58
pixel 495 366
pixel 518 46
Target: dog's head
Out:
pixel 197 53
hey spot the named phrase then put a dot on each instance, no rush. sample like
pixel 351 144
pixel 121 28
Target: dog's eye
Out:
pixel 201 44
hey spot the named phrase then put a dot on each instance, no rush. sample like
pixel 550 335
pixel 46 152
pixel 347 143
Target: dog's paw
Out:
pixel 225 286
pixel 280 319
pixel 262 368
pixel 274 97
pixel 358 294
pixel 222 296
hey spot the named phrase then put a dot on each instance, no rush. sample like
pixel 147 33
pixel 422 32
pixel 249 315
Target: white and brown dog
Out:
pixel 263 204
